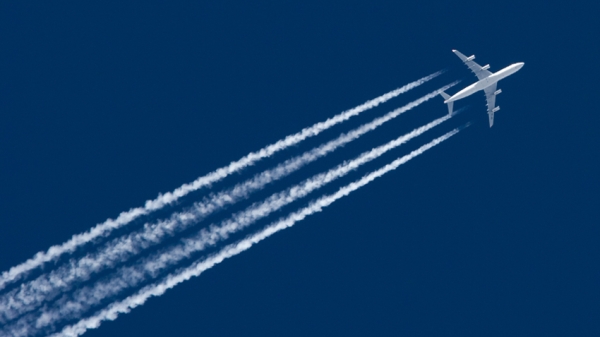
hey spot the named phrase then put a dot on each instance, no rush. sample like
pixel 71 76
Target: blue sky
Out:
pixel 495 232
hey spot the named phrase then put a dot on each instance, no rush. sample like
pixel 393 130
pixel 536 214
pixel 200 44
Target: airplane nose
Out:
pixel 521 64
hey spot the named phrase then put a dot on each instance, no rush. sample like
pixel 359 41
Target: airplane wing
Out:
pixel 479 71
pixel 490 97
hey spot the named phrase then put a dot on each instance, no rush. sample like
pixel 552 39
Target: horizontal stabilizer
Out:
pixel 445 95
pixel 450 104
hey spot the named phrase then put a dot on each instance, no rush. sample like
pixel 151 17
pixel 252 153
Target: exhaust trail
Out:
pixel 70 307
pixel 32 294
pixel 126 305
pixel 162 200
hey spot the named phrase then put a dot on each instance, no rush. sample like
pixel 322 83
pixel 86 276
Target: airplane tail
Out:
pixel 450 104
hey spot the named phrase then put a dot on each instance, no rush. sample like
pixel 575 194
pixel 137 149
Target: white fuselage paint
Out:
pixel 486 82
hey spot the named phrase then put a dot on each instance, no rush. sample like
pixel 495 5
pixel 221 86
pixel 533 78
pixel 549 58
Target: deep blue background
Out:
pixel 493 233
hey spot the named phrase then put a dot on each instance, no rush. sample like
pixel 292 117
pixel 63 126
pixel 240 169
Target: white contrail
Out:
pixel 128 277
pixel 125 306
pixel 32 294
pixel 167 198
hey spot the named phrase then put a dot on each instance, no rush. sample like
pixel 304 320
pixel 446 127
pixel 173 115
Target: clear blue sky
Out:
pixel 495 233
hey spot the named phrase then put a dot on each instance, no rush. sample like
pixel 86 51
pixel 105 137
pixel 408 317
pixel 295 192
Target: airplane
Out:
pixel 487 81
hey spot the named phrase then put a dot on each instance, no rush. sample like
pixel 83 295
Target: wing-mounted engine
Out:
pixel 485 67
pixel 497 92
pixel 496 109
pixel 479 71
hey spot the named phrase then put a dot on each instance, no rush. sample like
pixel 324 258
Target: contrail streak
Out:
pixel 164 199
pixel 125 306
pixel 30 295
pixel 82 300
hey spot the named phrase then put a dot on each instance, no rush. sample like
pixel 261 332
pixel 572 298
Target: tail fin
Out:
pixel 450 104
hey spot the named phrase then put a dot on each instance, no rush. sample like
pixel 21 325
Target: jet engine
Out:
pixel 471 58
pixel 497 91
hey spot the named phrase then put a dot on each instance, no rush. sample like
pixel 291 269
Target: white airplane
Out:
pixel 487 82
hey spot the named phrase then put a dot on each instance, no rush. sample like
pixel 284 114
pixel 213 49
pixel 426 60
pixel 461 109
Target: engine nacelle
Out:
pixel 497 91
pixel 496 109
pixel 471 58
pixel 486 67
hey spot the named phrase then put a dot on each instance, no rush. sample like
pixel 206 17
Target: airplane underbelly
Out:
pixel 473 88
pixel 468 91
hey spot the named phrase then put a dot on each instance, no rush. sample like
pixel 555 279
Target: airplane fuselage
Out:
pixel 486 82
